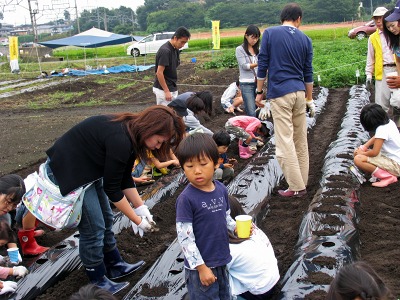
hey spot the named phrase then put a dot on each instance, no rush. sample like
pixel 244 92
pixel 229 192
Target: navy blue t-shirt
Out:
pixel 207 213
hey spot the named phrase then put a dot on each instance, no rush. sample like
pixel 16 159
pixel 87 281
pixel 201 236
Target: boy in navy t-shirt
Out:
pixel 202 219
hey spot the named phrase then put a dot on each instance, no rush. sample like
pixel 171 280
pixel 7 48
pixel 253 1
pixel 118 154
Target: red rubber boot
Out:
pixel 28 243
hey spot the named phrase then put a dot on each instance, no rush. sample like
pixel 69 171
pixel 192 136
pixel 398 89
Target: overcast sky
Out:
pixel 16 11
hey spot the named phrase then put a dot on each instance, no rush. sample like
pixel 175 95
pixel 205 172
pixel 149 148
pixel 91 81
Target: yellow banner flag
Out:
pixel 216 38
pixel 13 40
pixel 13 46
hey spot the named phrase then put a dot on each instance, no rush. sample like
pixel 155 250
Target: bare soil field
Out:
pixel 27 133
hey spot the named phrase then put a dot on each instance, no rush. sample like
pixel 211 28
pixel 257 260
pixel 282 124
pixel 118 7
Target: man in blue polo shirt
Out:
pixel 286 55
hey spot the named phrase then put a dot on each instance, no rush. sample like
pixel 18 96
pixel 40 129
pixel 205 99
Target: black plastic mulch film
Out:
pixel 252 187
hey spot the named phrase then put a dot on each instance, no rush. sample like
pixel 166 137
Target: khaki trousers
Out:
pixel 290 125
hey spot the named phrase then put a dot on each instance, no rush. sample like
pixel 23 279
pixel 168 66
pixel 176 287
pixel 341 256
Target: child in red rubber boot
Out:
pixel 12 188
pixel 380 156
pixel 27 233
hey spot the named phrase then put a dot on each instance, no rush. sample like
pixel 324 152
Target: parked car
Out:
pixel 363 31
pixel 150 44
pixel 4 42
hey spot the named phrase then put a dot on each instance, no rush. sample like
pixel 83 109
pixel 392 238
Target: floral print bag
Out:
pixel 44 200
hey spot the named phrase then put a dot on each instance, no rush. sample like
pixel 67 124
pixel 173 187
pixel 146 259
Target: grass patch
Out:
pixel 53 100
pixel 125 85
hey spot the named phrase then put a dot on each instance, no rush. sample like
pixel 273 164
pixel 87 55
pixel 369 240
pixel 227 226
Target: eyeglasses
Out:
pixel 8 203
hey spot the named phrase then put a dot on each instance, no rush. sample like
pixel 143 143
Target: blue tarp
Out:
pixel 116 69
pixel 91 38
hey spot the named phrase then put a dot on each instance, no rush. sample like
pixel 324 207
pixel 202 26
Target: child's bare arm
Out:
pixel 164 164
pixel 376 148
pixel 174 158
pixel 370 142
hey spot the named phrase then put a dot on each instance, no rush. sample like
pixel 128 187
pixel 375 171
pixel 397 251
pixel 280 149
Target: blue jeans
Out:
pixel 249 97
pixel 219 290
pixel 95 229
pixel 138 169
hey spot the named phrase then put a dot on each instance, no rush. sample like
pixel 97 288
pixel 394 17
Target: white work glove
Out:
pixel 143 227
pixel 8 287
pixel 368 83
pixel 143 211
pixel 265 112
pixel 196 130
pixel 310 108
pixel 20 271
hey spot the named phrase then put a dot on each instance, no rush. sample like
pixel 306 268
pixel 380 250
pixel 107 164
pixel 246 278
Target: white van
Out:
pixel 150 44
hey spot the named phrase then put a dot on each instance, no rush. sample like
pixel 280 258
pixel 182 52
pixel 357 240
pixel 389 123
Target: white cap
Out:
pixel 379 11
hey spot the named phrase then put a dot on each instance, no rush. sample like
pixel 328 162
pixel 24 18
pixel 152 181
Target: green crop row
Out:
pixel 337 59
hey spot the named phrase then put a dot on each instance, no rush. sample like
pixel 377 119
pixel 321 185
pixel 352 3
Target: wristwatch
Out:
pixel 259 92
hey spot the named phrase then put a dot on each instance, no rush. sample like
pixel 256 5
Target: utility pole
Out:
pixel 98 18
pixel 77 18
pixel 133 20
pixel 32 13
pixel 372 9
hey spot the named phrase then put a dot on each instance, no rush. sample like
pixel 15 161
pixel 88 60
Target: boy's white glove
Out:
pixel 143 227
pixel 265 112
pixel 20 271
pixel 143 211
pixel 8 287
pixel 310 108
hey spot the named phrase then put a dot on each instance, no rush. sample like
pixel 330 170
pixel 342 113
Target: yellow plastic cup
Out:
pixel 243 226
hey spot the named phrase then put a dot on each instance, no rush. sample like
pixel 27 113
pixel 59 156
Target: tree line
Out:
pixel 162 15
pixel 167 15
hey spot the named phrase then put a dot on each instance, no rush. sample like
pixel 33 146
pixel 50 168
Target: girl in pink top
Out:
pixel 246 128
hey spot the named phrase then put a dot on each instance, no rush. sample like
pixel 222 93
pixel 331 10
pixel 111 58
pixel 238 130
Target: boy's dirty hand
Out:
pixel 206 275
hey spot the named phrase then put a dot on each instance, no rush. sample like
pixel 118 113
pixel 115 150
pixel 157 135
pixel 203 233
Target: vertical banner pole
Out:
pixel 216 38
pixel 13 46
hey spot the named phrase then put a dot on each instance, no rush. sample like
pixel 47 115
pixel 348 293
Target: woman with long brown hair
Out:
pixel 101 150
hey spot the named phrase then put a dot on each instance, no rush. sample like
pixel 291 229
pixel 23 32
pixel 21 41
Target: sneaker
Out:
pixel 238 109
pixel 253 147
pixel 289 193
